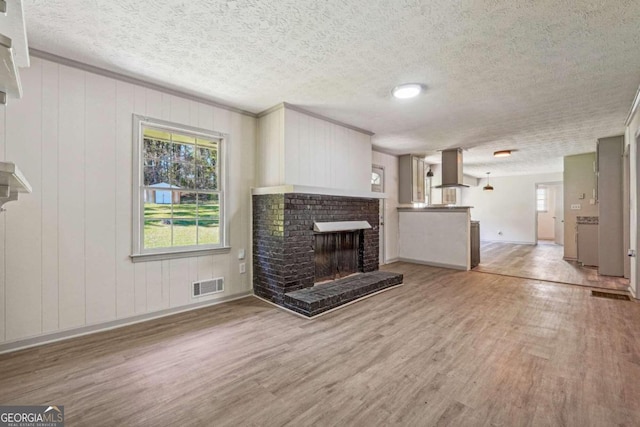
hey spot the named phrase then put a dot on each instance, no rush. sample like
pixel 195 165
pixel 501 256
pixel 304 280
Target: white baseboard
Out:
pixel 435 264
pixel 391 261
pixel 632 292
pixel 22 344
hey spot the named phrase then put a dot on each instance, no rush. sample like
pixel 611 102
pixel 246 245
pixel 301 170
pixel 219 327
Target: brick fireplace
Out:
pixel 284 250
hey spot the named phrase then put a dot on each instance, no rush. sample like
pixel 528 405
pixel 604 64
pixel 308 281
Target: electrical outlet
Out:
pixel 576 207
pixel 241 254
pixel 243 268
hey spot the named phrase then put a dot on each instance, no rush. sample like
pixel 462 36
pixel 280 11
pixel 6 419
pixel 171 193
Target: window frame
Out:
pixel 139 253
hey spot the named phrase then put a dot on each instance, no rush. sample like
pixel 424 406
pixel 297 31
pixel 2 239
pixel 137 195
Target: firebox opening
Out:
pixel 337 255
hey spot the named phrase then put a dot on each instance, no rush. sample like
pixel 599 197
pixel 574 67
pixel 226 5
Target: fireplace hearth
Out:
pixel 289 256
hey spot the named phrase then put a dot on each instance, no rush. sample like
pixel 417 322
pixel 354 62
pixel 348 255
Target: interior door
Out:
pixel 559 215
pixel 377 185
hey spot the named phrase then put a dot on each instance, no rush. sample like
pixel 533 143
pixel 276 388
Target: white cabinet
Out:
pixel 411 179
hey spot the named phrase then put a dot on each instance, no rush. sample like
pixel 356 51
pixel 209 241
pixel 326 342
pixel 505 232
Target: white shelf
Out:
pixel 9 76
pixel 12 183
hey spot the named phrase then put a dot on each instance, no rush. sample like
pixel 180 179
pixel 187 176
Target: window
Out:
pixel 179 188
pixel 541 199
pixel 377 179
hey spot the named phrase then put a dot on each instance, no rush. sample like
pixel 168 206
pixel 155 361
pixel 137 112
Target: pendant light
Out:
pixel 488 187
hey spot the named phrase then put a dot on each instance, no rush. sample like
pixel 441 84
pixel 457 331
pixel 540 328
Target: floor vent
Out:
pixel 610 295
pixel 207 287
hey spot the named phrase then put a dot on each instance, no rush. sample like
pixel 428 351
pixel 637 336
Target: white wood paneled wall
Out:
pixel 64 249
pixel 319 153
pixel 270 149
pixel 297 149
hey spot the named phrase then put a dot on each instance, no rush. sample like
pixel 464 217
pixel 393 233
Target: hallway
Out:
pixel 541 262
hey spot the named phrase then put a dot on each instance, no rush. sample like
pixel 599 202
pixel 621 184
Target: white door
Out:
pixel 558 216
pixel 377 185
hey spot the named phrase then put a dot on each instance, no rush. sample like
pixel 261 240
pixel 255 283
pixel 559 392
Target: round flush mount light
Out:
pixel 502 153
pixel 408 90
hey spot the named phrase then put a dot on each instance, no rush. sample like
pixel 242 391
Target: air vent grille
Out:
pixel 207 287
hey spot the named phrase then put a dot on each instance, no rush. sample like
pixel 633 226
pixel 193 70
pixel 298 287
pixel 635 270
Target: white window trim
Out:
pixel 138 253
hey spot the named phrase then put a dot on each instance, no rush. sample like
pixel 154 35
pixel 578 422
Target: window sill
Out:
pixel 160 256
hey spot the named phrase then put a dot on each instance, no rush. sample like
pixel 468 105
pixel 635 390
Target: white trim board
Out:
pixel 303 189
pixel 103 327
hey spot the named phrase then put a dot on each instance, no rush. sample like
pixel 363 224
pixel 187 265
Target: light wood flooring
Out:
pixel 447 348
pixel 542 262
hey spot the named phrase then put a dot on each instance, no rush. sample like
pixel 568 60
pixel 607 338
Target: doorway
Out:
pixel 377 186
pixel 550 213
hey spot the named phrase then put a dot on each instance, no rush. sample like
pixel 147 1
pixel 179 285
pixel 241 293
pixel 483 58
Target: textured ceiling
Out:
pixel 545 77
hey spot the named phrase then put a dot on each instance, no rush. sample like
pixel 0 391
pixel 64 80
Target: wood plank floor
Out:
pixel 447 348
pixel 542 262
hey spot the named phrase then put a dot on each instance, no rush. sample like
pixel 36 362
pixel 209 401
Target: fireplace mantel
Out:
pixel 304 189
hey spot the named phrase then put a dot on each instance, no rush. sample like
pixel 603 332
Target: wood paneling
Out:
pixel 100 198
pixel 446 348
pixel 125 272
pixel 298 149
pixel 23 291
pixel 270 149
pixel 51 160
pixel 70 240
pixel 322 154
pixel 71 205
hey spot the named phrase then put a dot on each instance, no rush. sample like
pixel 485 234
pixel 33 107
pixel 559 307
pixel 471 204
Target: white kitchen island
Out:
pixel 439 236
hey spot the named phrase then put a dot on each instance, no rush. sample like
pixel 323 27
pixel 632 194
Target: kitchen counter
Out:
pixel 439 236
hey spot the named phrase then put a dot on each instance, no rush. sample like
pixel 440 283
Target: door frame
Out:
pixel 535 206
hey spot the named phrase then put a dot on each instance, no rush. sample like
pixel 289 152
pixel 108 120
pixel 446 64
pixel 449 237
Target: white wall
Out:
pixel 65 248
pixel 299 149
pixel 390 164
pixel 510 208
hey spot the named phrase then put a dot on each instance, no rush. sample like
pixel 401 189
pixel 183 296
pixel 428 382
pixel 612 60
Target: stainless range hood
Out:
pixel 452 169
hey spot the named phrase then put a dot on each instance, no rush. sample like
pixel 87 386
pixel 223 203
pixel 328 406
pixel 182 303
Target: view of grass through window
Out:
pixel 180 190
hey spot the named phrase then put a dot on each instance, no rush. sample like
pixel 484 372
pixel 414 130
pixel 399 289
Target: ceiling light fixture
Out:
pixel 502 153
pixel 408 90
pixel 488 187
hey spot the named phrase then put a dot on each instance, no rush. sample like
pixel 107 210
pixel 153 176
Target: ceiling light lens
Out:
pixel 502 153
pixel 410 90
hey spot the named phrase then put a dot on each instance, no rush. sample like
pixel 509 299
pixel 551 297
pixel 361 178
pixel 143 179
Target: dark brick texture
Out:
pixel 283 238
